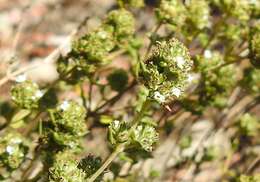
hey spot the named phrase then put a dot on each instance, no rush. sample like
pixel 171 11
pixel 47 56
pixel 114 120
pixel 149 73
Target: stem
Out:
pixel 82 95
pixel 120 148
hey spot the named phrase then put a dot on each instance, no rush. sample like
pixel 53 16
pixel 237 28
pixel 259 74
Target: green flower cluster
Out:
pixel 13 149
pixel 172 12
pixel 216 82
pixel 166 71
pixel 198 14
pixel 251 80
pixel 240 9
pixel 65 169
pixel 92 50
pixel 26 94
pixel 249 125
pixel 254 45
pixel 67 125
pixel 143 135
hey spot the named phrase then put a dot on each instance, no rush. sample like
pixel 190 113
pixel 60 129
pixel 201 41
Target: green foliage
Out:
pixel 246 178
pixel 251 80
pixel 249 125
pixel 254 45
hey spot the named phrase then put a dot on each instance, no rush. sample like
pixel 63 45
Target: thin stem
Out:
pixel 82 95
pixel 120 148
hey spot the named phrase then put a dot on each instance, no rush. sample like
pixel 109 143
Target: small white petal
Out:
pixel 207 54
pixel 159 97
pixel 38 94
pixel 20 78
pixel 65 105
pixel 116 123
pixel 176 91
pixel 180 61
pixel 190 78
pixel 10 150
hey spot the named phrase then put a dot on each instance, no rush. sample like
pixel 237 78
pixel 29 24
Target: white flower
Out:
pixel 65 105
pixel 176 91
pixel 38 94
pixel 159 97
pixel 20 78
pixel 10 150
pixel 180 61
pixel 207 54
pixel 190 78
pixel 116 124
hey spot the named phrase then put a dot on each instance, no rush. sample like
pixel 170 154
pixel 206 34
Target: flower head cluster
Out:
pixel 67 124
pixel 90 164
pixel 145 135
pixel 26 94
pixel 92 50
pixel 13 149
pixel 118 132
pixel 245 178
pixel 65 168
pixel 166 71
pixel 249 124
pixel 216 81
pixel 239 9
pixel 251 80
pixel 254 45
pixel 198 13
pixel 172 12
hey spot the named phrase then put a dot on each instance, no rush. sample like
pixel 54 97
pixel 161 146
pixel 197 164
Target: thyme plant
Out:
pixel 194 59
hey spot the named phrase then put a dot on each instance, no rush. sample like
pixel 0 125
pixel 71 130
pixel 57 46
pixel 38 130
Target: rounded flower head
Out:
pixel 123 23
pixel 65 168
pixel 254 45
pixel 26 94
pixel 198 13
pixel 13 149
pixel 118 132
pixel 166 71
pixel 251 80
pixel 172 12
pixel 249 125
pixel 118 80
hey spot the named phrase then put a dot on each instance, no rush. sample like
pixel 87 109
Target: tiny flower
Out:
pixel 176 92
pixel 21 78
pixel 10 150
pixel 207 54
pixel 38 94
pixel 116 124
pixel 180 61
pixel 65 105
pixel 159 97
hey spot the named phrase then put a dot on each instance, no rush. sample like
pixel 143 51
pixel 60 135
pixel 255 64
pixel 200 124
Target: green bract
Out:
pixel 26 94
pixel 254 45
pixel 65 169
pixel 172 12
pixel 13 149
pixel 118 80
pixel 145 135
pixel 166 71
pixel 118 132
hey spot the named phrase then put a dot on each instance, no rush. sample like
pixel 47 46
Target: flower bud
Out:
pixel 26 94
pixel 166 71
pixel 65 168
